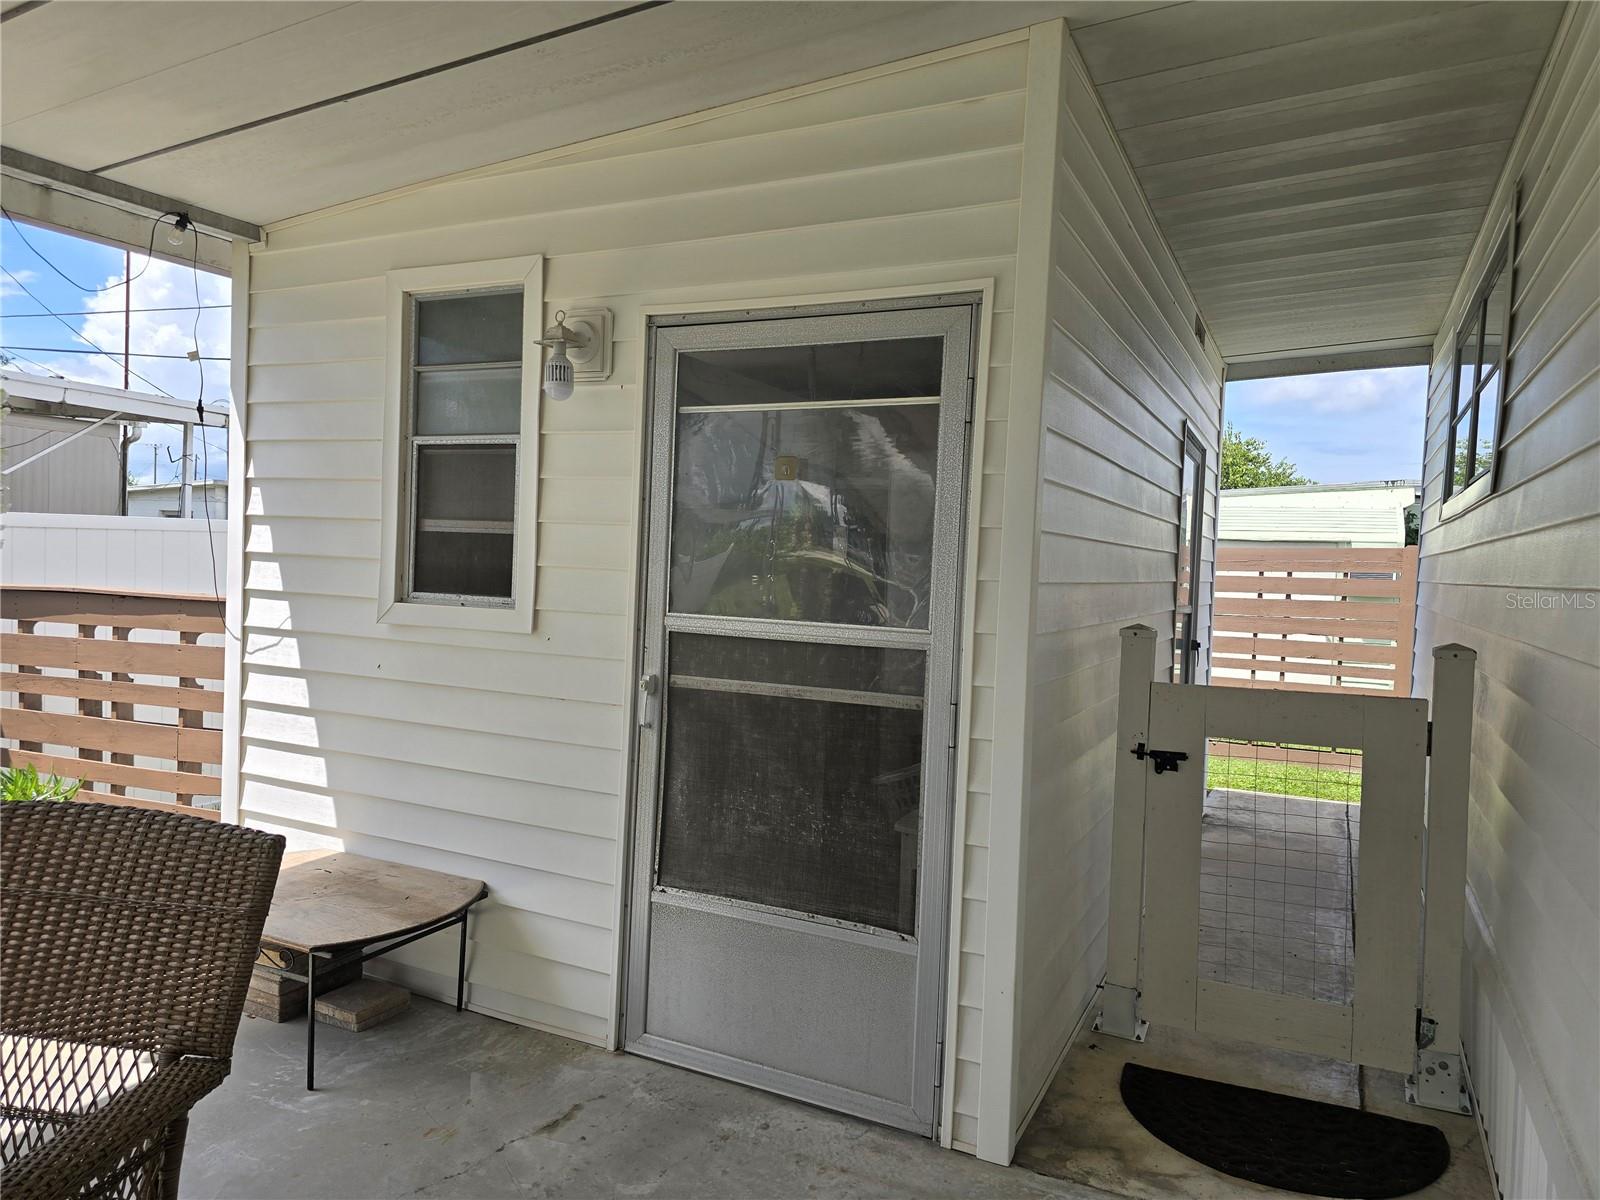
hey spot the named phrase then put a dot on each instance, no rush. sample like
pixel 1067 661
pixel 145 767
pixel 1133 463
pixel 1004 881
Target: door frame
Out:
pixel 947 639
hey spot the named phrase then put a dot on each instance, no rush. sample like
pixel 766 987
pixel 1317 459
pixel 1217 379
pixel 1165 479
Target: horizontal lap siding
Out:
pixel 1123 372
pixel 505 756
pixel 1534 932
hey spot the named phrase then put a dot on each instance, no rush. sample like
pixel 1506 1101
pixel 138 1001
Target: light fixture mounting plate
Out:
pixel 591 361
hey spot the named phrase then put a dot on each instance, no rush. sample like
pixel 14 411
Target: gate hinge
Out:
pixel 1165 760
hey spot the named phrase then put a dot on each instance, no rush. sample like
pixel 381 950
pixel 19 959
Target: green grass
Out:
pixel 1283 779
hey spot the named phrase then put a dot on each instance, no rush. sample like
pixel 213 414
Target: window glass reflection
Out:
pixel 806 514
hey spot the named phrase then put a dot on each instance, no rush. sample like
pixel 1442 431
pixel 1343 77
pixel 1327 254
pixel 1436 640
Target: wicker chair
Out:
pixel 125 953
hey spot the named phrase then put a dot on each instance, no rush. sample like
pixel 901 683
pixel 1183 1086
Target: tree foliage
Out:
pixel 1247 463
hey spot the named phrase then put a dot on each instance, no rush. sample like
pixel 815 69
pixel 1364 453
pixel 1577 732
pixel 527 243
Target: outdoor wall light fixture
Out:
pixel 580 348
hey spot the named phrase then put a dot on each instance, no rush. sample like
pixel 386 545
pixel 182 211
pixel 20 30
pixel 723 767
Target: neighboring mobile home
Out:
pixel 1318 514
pixel 771 680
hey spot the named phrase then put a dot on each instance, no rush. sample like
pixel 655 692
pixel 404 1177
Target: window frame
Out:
pixel 1190 447
pixel 1475 317
pixel 397 604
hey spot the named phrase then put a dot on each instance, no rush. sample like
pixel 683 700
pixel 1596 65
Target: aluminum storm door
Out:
pixel 796 718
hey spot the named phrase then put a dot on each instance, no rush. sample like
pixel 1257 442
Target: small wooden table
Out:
pixel 332 905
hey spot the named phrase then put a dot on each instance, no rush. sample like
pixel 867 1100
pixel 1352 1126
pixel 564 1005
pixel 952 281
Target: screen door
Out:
pixel 796 715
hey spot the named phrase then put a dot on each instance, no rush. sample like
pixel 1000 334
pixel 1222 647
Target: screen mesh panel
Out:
pixel 1280 852
pixel 793 776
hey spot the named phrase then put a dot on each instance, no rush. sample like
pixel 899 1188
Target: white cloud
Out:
pixel 8 288
pixel 177 289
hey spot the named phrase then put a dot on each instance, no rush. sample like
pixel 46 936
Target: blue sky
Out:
pixel 1346 427
pixel 40 345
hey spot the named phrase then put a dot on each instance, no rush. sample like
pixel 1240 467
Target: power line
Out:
pixel 7 359
pixel 131 353
pixel 101 312
pixel 75 333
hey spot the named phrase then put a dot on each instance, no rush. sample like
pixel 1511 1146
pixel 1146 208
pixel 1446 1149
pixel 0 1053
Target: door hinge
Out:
pixel 1429 750
pixel 938 1063
pixel 1165 760
pixel 955 723
pixel 972 397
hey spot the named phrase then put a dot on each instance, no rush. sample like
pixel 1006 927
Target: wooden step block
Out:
pixel 362 1005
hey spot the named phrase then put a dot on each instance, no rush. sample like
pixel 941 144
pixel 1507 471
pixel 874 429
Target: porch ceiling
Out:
pixel 247 108
pixel 1319 169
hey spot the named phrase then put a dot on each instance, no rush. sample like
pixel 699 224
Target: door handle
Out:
pixel 649 700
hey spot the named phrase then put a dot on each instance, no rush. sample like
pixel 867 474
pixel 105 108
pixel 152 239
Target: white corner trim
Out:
pixel 392 608
pixel 997 1102
pixel 238 481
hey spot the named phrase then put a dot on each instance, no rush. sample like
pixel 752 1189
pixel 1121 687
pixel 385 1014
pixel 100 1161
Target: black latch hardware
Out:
pixel 1166 760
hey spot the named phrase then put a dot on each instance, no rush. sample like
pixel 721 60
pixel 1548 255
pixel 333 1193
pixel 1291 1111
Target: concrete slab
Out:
pixel 436 1104
pixel 1083 1133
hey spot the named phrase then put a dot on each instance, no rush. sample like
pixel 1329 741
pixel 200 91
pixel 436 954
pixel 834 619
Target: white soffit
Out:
pixel 199 100
pixel 1320 169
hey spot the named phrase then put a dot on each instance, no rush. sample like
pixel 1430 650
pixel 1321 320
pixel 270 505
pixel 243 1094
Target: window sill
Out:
pixel 456 616
pixel 1474 494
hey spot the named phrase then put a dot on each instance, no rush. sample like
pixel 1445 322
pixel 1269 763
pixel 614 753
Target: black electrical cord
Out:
pixel 182 222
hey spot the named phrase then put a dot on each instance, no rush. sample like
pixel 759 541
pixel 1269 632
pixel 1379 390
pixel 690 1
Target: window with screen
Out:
pixel 1478 388
pixel 462 447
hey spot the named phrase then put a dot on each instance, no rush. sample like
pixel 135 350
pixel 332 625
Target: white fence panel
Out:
pixel 155 554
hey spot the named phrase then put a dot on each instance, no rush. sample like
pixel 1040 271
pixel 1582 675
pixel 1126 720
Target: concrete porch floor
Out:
pixel 437 1104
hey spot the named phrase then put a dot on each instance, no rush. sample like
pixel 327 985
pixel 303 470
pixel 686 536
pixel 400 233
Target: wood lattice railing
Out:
pixel 110 688
pixel 1315 620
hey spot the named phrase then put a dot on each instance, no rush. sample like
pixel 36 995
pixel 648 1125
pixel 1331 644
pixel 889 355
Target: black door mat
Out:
pixel 1285 1142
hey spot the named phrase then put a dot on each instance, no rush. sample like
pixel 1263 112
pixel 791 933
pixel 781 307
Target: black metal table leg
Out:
pixel 461 963
pixel 311 1022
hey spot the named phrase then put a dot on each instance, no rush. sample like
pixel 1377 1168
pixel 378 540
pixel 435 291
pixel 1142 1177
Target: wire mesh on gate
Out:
pixel 1280 852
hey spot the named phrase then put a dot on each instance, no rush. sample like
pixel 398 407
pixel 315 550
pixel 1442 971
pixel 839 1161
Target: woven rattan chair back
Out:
pixel 127 939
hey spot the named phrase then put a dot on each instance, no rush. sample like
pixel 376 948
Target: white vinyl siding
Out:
pixel 1533 935
pixel 504 756
pixel 1124 371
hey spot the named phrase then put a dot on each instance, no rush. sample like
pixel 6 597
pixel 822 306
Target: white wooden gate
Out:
pixel 1289 921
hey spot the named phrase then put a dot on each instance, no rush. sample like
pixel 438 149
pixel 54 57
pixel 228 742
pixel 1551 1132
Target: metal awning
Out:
pixel 68 398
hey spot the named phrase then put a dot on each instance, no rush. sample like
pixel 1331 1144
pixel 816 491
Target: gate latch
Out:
pixel 1166 760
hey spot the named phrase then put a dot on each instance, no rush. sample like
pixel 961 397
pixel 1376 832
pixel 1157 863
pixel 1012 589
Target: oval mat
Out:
pixel 1283 1141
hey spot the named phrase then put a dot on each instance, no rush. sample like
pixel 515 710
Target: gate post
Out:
pixel 1119 995
pixel 1439 1081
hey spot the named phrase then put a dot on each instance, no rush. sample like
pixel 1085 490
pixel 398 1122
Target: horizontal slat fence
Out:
pixel 1315 620
pixel 110 688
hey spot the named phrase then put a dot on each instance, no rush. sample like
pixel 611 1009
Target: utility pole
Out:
pixel 127 310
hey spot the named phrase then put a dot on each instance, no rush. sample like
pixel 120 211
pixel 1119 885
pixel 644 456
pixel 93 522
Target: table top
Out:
pixel 327 899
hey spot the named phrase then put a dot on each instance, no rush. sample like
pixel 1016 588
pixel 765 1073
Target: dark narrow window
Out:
pixel 1191 502
pixel 1478 386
